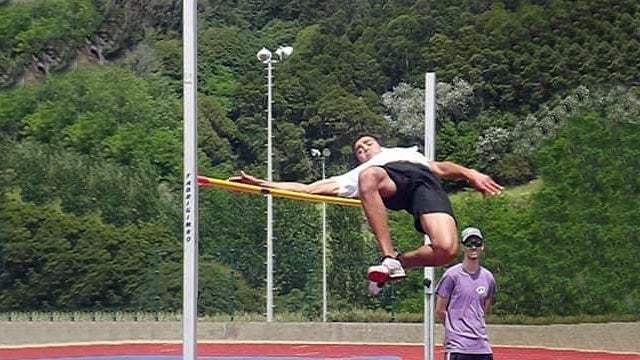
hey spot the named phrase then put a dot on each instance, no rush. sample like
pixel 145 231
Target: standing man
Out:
pixel 397 179
pixel 464 296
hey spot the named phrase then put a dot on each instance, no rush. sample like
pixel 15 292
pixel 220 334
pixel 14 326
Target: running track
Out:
pixel 277 351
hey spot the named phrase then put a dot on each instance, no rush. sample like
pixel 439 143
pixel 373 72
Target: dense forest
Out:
pixel 542 94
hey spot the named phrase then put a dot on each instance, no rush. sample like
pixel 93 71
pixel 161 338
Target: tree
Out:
pixel 585 213
pixel 83 185
pixel 339 118
pixel 405 108
pixel 57 261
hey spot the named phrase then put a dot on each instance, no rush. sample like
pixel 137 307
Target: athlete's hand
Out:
pixel 247 179
pixel 485 184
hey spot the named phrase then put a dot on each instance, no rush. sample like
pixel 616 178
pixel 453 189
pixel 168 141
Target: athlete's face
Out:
pixel 365 148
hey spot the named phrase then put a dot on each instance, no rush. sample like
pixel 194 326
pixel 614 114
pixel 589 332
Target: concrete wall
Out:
pixel 620 337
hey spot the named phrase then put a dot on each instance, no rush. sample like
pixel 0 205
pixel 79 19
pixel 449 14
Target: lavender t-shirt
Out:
pixel 465 328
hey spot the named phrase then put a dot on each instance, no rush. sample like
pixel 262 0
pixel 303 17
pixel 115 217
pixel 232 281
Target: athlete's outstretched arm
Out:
pixel 321 187
pixel 450 170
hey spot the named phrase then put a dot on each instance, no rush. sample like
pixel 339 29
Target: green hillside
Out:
pixel 541 95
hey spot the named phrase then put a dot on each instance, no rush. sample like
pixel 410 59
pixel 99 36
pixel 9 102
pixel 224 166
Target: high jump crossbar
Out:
pixel 287 194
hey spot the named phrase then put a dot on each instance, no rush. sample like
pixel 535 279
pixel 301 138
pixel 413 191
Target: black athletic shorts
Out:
pixel 418 191
pixel 458 356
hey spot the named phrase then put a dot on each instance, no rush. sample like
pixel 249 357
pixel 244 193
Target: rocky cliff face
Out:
pixel 119 25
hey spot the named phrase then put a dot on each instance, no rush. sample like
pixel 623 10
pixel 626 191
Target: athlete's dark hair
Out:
pixel 360 136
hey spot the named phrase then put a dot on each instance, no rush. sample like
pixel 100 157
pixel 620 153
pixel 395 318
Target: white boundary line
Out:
pixel 278 342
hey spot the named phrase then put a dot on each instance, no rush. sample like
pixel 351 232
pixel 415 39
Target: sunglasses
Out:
pixel 472 242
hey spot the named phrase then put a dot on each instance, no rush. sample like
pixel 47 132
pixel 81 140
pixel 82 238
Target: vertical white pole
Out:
pixel 324 252
pixel 190 225
pixel 430 153
pixel 269 201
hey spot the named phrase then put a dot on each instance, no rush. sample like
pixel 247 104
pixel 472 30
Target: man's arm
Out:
pixel 441 308
pixel 321 187
pixel 493 287
pixel 450 170
pixel 487 306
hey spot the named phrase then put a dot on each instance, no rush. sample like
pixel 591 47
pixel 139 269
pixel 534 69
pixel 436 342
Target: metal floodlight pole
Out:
pixel 269 197
pixel 265 56
pixel 430 153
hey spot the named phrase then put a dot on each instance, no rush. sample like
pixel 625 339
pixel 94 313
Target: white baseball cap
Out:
pixel 470 232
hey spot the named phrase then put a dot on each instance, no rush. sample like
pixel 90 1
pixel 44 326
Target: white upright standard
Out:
pixel 430 153
pixel 190 224
pixel 323 155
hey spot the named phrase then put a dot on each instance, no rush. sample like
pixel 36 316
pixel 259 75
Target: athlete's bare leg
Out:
pixel 374 185
pixel 442 230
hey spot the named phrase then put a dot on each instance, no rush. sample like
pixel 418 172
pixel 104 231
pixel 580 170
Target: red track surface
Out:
pixel 320 351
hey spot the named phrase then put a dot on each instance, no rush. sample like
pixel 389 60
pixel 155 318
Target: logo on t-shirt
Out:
pixel 481 290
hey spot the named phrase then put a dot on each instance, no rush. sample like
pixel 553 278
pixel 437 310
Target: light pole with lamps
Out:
pixel 323 156
pixel 265 56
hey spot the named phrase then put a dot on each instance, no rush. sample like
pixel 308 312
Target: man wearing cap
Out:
pixel 464 296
